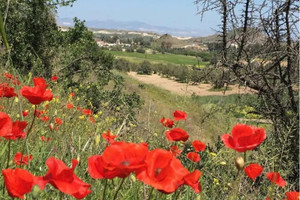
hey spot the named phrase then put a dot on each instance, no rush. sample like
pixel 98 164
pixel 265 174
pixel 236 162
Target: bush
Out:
pixel 122 65
pixel 140 50
pixel 129 49
pixel 145 68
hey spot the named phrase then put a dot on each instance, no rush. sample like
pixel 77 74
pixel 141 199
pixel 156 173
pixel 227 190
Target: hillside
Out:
pixel 255 36
pixel 174 42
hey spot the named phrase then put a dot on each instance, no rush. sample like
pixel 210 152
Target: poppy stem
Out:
pixel 28 132
pixel 11 104
pixel 105 186
pixel 32 122
pixel 271 194
pixel 235 187
pixel 7 164
pixel 245 156
pixel 119 188
pixel 8 154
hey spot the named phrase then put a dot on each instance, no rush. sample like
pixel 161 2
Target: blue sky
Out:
pixel 171 13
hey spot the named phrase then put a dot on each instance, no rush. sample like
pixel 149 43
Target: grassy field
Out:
pixel 202 112
pixel 159 58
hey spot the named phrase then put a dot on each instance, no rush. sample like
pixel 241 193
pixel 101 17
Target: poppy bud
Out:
pixel 36 191
pixel 239 163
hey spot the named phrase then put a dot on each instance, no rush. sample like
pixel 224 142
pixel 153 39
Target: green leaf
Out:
pixel 3 149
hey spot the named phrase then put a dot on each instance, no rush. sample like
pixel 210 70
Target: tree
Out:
pixel 31 32
pixel 272 70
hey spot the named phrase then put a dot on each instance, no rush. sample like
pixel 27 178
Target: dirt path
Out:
pixel 186 89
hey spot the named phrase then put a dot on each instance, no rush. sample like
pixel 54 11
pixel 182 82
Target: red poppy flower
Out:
pixel 253 170
pixel 72 94
pixel 275 177
pixel 163 171
pixel 198 145
pixel 87 112
pixel 64 179
pixel 179 115
pixel 38 93
pixel 17 131
pixel 54 78
pixel 21 159
pixel 18 182
pixel 193 156
pixel 69 106
pixel 6 91
pixel 118 160
pixel 177 134
pixel 47 106
pixel 244 138
pixel 78 108
pixel 192 180
pixel 92 120
pixel 16 81
pixel 58 121
pixel 5 124
pixel 38 113
pixel 109 138
pixel 25 113
pixel 167 122
pixel 175 151
pixel 8 76
pixel 293 195
pixel 45 139
pixel 45 119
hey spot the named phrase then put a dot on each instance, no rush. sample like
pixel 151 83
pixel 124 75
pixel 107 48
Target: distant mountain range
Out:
pixel 135 26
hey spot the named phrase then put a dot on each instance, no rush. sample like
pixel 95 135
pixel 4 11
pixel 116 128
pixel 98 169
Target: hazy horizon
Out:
pixel 173 14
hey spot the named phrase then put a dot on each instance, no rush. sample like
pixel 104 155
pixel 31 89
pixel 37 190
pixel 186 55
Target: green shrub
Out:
pixel 140 50
pixel 145 68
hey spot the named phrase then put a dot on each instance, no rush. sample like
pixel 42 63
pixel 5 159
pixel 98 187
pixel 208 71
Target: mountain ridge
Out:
pixel 134 26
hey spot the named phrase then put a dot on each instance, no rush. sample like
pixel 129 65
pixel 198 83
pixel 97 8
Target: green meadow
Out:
pixel 158 58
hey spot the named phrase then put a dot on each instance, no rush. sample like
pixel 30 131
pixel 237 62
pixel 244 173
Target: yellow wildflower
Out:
pixel 213 154
pixel 216 181
pixel 222 163
pixel 97 139
pixel 132 177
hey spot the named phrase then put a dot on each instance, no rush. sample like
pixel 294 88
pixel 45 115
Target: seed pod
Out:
pixel 239 163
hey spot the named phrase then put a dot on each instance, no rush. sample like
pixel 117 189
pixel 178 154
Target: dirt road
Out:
pixel 186 89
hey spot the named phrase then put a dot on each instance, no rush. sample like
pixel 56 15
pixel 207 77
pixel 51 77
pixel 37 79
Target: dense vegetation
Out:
pixel 63 102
